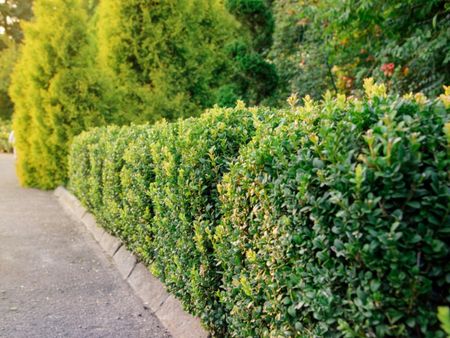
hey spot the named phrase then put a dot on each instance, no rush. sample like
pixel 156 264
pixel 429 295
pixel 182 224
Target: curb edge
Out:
pixel 148 288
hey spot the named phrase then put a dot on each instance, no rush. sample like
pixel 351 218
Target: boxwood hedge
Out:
pixel 188 164
pixel 330 219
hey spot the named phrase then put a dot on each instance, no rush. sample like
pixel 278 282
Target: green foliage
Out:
pixel 172 59
pixel 12 12
pixel 336 45
pixel 8 57
pixel 81 168
pixel 162 184
pixel 5 130
pixel 95 173
pixel 256 16
pixel 299 51
pixel 136 205
pixel 166 59
pixel 326 220
pixel 253 78
pixel 444 318
pixel 189 161
pixel 55 90
pixel 335 222
pixel 413 36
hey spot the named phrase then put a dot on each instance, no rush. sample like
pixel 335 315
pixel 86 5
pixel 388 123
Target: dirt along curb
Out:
pixel 148 288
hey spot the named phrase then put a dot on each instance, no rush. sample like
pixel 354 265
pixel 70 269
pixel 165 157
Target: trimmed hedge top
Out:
pixel 329 219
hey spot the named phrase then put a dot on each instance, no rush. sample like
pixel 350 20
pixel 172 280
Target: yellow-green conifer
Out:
pixel 166 59
pixel 56 91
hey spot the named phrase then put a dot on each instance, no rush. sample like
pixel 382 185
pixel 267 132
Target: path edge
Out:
pixel 147 287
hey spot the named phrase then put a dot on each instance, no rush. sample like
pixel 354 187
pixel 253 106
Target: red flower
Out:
pixel 388 69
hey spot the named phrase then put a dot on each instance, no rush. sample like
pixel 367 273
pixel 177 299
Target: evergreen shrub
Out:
pixel 329 219
pixel 335 223
pixel 188 164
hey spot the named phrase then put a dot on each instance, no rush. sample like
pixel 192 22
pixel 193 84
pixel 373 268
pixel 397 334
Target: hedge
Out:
pixel 329 219
pixel 188 164
pixel 336 223
pixel 141 180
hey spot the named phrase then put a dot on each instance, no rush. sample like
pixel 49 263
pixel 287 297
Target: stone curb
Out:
pixel 148 288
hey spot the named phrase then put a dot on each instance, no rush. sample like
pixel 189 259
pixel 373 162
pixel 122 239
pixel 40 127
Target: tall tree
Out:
pixel 166 58
pixel 56 91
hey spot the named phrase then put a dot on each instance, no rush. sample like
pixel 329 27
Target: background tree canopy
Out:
pixel 329 44
pixel 8 57
pixel 56 90
pixel 141 61
pixel 166 58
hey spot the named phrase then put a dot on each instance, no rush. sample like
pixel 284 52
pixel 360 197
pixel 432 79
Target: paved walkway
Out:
pixel 54 279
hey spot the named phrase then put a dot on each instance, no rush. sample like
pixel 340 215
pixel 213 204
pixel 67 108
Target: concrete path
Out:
pixel 54 279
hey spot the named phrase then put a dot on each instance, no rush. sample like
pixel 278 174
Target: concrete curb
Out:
pixel 148 288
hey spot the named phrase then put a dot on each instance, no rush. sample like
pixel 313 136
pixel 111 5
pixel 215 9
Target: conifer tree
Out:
pixel 166 59
pixel 56 91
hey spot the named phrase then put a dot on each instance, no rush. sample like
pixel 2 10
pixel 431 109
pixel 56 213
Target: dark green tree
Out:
pixel 297 51
pixel 253 78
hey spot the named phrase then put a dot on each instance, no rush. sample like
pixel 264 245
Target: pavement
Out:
pixel 55 281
